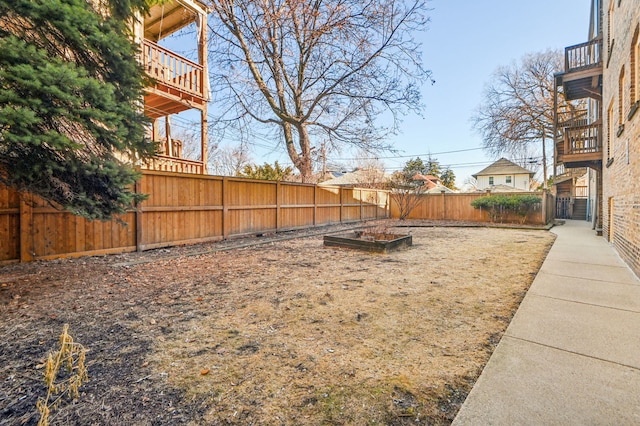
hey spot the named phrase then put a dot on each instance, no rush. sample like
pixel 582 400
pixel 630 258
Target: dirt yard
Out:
pixel 281 333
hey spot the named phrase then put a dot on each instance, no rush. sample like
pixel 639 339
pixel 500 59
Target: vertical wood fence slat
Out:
pixel 225 207
pixel 138 215
pixel 315 205
pixel 278 206
pixel 26 229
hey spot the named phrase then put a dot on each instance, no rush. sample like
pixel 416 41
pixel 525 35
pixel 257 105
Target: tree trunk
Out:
pixel 544 161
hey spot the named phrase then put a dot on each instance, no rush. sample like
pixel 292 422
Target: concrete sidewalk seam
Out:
pixel 570 352
pixel 582 262
pixel 583 303
pixel 540 272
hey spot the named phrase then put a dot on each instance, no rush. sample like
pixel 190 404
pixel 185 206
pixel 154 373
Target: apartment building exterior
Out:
pixel 604 73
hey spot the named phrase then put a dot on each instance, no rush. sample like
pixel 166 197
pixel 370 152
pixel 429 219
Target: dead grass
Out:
pixel 288 333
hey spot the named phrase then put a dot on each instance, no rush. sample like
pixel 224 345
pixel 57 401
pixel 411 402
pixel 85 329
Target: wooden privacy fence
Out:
pixel 457 207
pixel 181 209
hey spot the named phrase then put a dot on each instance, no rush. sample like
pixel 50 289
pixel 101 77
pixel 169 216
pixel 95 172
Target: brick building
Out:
pixel 604 73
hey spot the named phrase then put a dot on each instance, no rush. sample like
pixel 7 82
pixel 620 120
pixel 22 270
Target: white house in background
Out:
pixel 504 173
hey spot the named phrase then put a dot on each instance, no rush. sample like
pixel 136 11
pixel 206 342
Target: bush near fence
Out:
pixel 181 209
pixel 457 207
pixel 499 206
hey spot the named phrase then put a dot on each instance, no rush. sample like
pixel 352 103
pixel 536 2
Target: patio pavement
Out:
pixel 571 354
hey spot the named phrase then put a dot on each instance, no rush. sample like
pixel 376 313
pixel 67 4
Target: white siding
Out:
pixel 517 181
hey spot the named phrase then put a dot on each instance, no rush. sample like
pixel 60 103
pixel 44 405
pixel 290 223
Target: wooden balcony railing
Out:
pixel 583 56
pixel 583 139
pixel 572 118
pixel 173 70
pixel 165 163
pixel 564 172
pixel 581 191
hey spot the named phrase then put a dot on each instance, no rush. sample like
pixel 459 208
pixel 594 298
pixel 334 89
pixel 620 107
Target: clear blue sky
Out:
pixel 464 43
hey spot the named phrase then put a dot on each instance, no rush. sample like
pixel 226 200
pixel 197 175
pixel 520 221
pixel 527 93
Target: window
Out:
pixel 609 135
pixel 507 179
pixel 490 180
pixel 621 101
pixel 610 27
pixel 634 74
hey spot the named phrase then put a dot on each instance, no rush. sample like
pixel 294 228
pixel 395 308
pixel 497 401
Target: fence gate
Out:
pixel 563 210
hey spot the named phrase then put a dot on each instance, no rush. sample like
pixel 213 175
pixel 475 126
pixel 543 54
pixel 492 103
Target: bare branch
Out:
pixel 319 70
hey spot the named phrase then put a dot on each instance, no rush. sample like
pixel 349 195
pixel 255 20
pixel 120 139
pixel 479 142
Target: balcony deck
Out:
pixel 580 146
pixel 179 83
pixel 583 71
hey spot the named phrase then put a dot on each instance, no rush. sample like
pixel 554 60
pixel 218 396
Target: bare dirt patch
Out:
pixel 289 332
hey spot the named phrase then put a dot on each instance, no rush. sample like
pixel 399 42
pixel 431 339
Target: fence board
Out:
pixel 9 224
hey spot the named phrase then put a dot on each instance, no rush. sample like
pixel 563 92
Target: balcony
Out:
pixel 166 163
pixel 580 145
pixel 564 173
pixel 178 82
pixel 582 77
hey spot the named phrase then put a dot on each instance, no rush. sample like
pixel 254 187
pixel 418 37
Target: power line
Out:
pixel 410 156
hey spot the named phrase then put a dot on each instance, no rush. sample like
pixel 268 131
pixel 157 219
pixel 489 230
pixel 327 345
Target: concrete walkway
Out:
pixel 571 355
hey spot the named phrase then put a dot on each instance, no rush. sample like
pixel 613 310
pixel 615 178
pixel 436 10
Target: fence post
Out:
pixel 444 206
pixel 361 206
pixel 377 202
pixel 341 202
pixel 315 204
pixel 27 250
pixel 225 207
pixel 138 213
pixel 278 203
pixel 544 208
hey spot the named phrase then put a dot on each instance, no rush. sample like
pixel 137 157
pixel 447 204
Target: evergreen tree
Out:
pixel 448 178
pixel 267 172
pixel 413 167
pixel 433 167
pixel 71 122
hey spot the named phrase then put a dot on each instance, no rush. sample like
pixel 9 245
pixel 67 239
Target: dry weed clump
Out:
pixel 64 373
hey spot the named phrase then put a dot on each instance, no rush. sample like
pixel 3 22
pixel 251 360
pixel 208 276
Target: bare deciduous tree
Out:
pixel 517 114
pixel 406 193
pixel 317 68
pixel 228 160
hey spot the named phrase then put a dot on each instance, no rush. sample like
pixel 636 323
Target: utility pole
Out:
pixel 323 154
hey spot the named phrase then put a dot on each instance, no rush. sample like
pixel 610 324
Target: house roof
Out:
pixel 503 167
pixel 430 181
pixel 438 189
pixel 357 177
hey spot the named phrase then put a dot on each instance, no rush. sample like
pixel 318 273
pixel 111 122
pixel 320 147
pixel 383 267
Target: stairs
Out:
pixel 579 209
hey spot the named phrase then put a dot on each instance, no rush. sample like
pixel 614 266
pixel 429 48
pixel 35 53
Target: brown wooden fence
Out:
pixel 457 207
pixel 181 209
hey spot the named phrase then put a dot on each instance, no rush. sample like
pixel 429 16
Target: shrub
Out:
pixel 500 204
